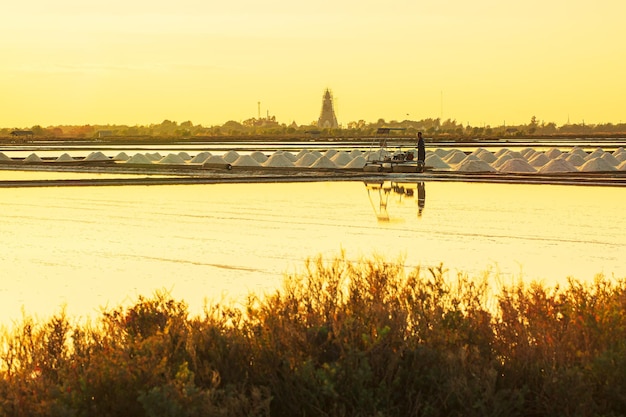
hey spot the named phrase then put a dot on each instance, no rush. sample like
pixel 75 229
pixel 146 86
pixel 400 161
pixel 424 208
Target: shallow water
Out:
pixel 90 247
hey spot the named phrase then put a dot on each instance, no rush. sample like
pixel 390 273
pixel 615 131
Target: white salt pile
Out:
pixel 122 156
pixel 200 158
pixel 500 152
pixel 341 158
pixel 575 159
pixel 487 156
pixel 621 166
pixel 358 162
pixel 172 159
pixel 597 165
pixel 33 158
pixel 96 156
pixel 608 157
pixel 306 160
pixel 215 159
pixel 230 156
pixel 246 161
pixel 154 156
pixel 289 156
pixel 501 160
pixel 278 160
pixel 558 165
pixel 455 157
pixel 474 166
pixel 517 166
pixel 378 155
pixel 323 162
pixel 441 153
pixel 528 153
pixel 64 158
pixel 620 156
pixel 301 153
pixel 355 152
pixel 514 154
pixel 330 153
pixel 184 155
pixel 139 159
pixel 259 156
pixel 4 158
pixel 578 151
pixel 539 160
pixel 598 152
pixel 433 160
pixel 553 153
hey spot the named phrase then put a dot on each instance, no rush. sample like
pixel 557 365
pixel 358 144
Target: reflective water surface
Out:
pixel 90 247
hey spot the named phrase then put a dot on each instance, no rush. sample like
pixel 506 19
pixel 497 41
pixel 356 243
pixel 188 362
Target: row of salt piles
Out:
pixel 528 160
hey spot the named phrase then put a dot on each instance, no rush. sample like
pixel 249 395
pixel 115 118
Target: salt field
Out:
pixel 90 247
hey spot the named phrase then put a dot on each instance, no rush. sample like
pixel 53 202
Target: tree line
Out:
pixel 433 127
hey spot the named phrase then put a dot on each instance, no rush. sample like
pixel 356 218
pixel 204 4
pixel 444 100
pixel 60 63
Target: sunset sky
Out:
pixel 484 62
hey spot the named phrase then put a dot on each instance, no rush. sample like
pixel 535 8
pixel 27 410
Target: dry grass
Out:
pixel 340 338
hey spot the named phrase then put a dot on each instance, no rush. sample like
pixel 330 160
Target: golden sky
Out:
pixel 484 62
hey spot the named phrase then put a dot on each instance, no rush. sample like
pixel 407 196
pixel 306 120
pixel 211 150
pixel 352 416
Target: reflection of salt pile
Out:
pixel 516 165
pixel 200 158
pixel 64 158
pixel 597 165
pixel 172 159
pixel 278 160
pixel 139 159
pixel 358 162
pixel 558 165
pixel 33 158
pixel 433 160
pixel 323 162
pixel 246 161
pixel 4 158
pixel 230 156
pixel 474 165
pixel 97 156
pixel 259 156
pixel 306 160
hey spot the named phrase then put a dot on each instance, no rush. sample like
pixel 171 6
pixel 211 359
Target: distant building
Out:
pixel 28 133
pixel 327 117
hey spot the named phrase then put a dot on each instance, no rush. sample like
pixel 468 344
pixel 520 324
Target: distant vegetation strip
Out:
pixel 340 338
pixel 269 128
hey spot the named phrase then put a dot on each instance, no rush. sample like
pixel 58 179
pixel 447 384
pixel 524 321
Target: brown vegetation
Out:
pixel 339 339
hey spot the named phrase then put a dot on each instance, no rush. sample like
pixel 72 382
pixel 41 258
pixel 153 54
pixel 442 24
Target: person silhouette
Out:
pixel 421 151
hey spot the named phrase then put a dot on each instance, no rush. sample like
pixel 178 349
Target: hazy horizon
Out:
pixel 479 63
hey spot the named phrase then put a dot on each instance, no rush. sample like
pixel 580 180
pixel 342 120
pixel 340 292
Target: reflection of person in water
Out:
pixel 421 198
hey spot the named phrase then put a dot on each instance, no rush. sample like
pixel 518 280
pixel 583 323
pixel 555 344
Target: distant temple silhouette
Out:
pixel 327 117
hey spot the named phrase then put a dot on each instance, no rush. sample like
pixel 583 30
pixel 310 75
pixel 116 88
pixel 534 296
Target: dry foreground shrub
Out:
pixel 341 338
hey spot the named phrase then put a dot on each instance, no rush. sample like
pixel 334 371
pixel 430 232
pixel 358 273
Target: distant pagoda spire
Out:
pixel 327 117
